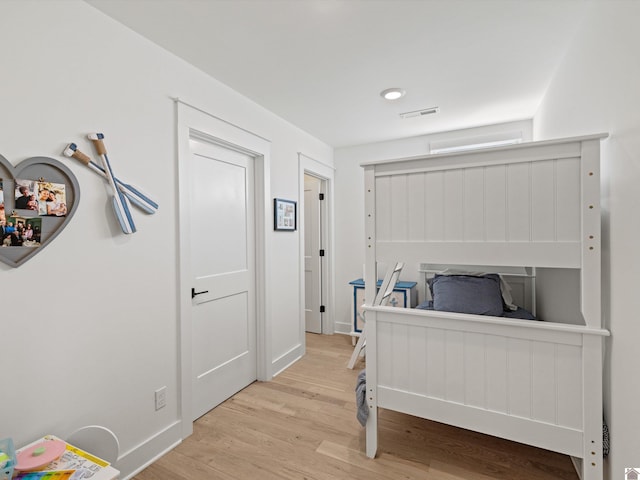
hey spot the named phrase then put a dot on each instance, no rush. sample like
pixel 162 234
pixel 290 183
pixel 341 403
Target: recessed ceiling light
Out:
pixel 392 93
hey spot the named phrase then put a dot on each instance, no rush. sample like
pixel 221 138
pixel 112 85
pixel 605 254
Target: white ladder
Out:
pixel 382 298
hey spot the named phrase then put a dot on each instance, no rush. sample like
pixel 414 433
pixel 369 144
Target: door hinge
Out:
pixel 322 252
pixel 321 308
pixel 321 196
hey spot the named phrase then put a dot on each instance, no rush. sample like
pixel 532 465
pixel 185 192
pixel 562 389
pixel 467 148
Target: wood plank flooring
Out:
pixel 302 426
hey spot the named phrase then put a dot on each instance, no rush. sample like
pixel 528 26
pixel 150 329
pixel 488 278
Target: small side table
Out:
pixel 404 295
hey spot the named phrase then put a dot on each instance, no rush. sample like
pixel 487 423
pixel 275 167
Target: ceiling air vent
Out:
pixel 420 113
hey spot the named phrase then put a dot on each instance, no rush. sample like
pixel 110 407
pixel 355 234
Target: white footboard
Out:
pixel 532 382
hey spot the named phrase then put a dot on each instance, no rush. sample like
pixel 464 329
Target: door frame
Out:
pixel 195 123
pixel 324 172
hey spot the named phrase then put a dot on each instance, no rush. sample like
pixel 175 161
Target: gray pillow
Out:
pixel 479 295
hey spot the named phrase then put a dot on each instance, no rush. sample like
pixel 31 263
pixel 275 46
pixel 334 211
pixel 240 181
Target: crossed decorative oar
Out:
pixel 122 192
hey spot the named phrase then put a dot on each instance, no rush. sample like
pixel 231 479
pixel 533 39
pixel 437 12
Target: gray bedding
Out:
pixel 362 412
pixel 520 313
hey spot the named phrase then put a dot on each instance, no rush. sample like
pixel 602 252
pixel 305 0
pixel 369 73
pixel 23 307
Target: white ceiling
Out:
pixel 321 64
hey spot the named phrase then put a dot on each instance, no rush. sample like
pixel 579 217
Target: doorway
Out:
pixel 316 246
pixel 223 344
pixel 223 264
pixel 314 307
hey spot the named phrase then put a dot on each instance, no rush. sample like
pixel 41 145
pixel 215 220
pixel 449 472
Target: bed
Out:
pixel 529 211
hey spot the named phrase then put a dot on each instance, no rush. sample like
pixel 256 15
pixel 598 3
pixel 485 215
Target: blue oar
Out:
pixel 120 202
pixel 134 195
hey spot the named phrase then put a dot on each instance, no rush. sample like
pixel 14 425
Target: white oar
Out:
pixel 134 194
pixel 120 202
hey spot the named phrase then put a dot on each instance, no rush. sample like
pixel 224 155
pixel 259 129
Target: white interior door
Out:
pixel 312 259
pixel 222 242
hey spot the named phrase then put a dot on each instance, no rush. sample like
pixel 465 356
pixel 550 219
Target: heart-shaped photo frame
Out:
pixel 43 169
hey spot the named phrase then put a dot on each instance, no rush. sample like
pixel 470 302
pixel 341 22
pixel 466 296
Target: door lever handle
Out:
pixel 194 293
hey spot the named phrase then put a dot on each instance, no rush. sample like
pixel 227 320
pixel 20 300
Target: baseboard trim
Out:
pixel 577 464
pixel 345 328
pixel 140 457
pixel 286 360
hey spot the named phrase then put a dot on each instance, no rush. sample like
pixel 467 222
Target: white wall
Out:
pixel 89 325
pixel 349 180
pixel 596 90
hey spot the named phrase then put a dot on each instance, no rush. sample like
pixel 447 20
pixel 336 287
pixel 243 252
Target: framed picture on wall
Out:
pixel 284 214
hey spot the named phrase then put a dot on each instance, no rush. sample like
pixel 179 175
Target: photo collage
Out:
pixel 21 212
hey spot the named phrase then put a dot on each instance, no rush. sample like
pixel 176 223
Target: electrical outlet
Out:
pixel 161 398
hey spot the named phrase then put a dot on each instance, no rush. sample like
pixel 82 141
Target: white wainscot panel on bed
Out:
pixel 517 203
pixel 533 379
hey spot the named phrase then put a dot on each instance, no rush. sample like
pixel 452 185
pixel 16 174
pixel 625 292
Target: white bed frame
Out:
pixel 529 205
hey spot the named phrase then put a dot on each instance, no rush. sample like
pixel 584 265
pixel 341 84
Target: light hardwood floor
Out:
pixel 302 425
